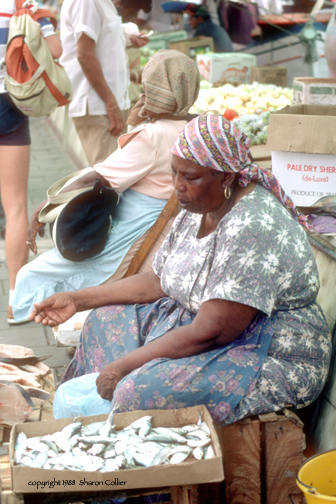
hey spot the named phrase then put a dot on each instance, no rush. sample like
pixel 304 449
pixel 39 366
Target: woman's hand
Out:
pixel 109 379
pixel 35 227
pixel 54 310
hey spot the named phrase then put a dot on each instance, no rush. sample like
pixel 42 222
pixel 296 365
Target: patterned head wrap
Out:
pixel 214 142
pixel 170 82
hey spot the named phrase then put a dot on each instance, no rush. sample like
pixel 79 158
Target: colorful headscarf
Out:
pixel 170 82
pixel 214 142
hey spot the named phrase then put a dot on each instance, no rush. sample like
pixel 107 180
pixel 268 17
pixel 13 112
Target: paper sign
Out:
pixel 305 177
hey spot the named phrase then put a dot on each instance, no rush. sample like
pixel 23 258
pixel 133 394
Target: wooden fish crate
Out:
pixel 261 456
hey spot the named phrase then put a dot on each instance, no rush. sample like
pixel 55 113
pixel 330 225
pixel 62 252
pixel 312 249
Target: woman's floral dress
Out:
pixel 258 256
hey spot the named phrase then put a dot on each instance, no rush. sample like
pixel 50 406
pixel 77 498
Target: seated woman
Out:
pixel 139 170
pixel 230 319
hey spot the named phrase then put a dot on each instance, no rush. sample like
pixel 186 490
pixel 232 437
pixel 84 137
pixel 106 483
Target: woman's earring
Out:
pixel 227 192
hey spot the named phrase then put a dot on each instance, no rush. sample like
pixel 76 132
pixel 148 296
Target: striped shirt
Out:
pixel 7 9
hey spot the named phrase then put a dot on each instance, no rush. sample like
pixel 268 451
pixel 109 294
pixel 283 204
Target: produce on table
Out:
pixel 255 126
pixel 244 99
pixel 230 114
pixel 145 54
pixel 251 102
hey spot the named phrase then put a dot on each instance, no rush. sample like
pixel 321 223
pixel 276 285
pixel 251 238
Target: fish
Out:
pixel 21 380
pixel 15 351
pixel 143 459
pixel 39 368
pixel 19 361
pixel 15 403
pixel 162 456
pixel 178 457
pixel 193 443
pixel 20 446
pixel 69 430
pixel 165 434
pixel 97 449
pixel 12 369
pixel 92 428
pixel 209 452
pixel 35 444
pixel 198 452
pixel 19 355
pixel 38 393
pixel 100 447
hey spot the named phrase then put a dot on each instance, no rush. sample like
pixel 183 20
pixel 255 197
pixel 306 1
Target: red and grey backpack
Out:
pixel 36 83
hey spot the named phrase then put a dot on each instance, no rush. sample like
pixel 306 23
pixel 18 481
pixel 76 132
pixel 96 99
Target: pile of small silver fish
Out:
pixel 100 447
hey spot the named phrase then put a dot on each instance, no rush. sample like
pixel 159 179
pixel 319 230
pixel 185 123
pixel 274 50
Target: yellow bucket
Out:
pixel 316 478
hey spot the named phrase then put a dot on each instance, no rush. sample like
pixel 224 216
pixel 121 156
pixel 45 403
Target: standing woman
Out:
pixel 14 153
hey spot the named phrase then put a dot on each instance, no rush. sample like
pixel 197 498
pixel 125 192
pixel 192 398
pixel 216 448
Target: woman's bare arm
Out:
pixel 218 323
pixel 56 309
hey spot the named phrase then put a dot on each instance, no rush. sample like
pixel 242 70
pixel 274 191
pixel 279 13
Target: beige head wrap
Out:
pixel 171 84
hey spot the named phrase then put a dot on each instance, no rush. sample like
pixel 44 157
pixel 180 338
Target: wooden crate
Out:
pixel 261 456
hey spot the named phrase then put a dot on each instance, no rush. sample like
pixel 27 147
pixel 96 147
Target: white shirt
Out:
pixel 7 9
pixel 157 18
pixel 99 20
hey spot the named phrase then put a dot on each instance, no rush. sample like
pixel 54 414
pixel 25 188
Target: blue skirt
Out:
pixel 50 272
pixel 219 378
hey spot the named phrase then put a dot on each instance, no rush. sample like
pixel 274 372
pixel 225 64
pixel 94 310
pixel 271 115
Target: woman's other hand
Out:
pixel 35 227
pixel 54 310
pixel 108 380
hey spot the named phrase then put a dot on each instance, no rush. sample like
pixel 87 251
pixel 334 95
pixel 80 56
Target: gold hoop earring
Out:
pixel 227 192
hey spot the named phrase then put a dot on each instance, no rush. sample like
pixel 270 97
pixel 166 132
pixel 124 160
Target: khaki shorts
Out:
pixel 96 140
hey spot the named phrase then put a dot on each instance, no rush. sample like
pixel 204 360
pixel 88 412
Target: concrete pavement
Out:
pixel 49 161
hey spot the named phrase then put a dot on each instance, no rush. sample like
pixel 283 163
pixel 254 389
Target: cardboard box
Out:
pixel 24 479
pixel 302 141
pixel 161 40
pixel 193 46
pixel 270 74
pixel 313 91
pixel 226 67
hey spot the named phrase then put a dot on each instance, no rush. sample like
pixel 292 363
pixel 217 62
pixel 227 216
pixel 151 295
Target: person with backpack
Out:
pixel 15 152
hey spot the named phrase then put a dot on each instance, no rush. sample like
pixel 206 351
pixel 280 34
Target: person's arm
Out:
pixel 55 46
pixel 86 180
pixel 86 54
pixel 218 323
pixel 56 309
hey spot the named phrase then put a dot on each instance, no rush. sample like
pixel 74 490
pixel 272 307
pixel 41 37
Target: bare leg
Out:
pixel 14 168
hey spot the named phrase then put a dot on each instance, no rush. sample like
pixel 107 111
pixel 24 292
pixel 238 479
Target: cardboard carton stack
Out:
pixel 302 141
pixel 193 46
pixel 270 74
pixel 313 91
pixel 226 67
